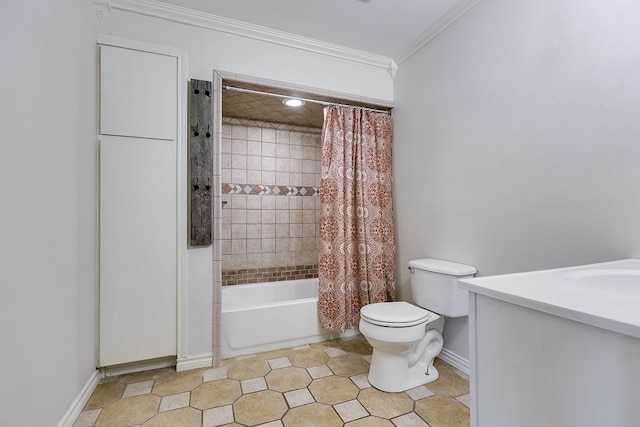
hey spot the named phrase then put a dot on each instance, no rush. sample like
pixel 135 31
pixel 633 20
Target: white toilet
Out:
pixel 402 335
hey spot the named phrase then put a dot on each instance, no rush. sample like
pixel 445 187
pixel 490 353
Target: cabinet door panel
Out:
pixel 138 93
pixel 138 256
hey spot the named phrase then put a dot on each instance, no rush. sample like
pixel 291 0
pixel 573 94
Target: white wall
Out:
pixel 208 50
pixel 517 140
pixel 47 221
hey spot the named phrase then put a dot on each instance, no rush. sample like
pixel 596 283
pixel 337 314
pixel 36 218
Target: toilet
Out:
pixel 403 336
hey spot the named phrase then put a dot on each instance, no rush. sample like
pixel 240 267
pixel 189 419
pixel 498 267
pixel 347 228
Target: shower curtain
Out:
pixel 356 253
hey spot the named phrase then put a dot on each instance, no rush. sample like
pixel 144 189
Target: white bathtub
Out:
pixel 269 316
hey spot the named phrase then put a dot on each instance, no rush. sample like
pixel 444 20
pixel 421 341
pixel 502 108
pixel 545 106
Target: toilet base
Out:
pixel 390 373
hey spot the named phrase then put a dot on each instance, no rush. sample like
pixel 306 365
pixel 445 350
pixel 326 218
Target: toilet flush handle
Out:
pixel 411 269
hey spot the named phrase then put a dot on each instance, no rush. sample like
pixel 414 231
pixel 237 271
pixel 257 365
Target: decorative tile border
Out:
pixel 269 274
pixel 269 190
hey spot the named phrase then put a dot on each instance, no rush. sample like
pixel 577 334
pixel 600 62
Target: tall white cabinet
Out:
pixel 138 205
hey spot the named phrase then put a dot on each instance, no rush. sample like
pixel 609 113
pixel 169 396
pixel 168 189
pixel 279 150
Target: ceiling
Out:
pixel 268 109
pixel 379 27
pixel 271 109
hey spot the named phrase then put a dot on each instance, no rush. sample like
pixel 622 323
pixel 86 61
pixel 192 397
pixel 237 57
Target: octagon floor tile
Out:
pixel 215 393
pixel 105 394
pixel 323 384
pixel 184 417
pixel 449 383
pixel 308 357
pixel 359 346
pixel 259 408
pixel 152 374
pixel 275 354
pixel 441 411
pixel 385 405
pixel 348 365
pixel 129 411
pixel 332 390
pixel 248 368
pixel 370 421
pixel 177 382
pixel 327 344
pixel 314 414
pixel 287 379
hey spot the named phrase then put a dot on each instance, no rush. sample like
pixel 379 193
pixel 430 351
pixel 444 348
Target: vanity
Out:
pixel 556 347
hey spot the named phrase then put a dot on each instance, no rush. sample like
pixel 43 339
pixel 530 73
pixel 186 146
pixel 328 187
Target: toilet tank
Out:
pixel 434 285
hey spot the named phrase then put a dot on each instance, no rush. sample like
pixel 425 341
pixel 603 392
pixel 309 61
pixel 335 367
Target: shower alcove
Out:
pixel 266 202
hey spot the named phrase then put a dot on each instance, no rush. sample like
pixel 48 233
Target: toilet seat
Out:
pixel 398 314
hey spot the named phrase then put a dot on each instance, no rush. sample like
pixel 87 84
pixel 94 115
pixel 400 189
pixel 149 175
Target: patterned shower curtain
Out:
pixel 356 253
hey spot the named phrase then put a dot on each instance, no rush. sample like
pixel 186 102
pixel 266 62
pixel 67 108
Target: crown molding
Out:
pixel 392 68
pixel 209 21
pixel 455 13
pixel 102 8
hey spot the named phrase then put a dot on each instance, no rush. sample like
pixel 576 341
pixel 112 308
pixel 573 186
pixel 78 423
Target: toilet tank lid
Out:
pixel 443 267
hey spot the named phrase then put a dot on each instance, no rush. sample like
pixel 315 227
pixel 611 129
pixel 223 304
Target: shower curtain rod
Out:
pixel 315 101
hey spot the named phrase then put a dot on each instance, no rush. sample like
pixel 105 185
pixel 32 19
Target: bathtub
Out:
pixel 269 316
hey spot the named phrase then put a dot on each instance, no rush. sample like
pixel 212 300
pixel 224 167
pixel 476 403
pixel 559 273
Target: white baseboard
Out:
pixel 455 360
pixel 194 362
pixel 139 366
pixel 81 399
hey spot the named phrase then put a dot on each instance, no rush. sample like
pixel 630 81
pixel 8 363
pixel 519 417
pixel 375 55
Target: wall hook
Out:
pixel 196 91
pixel 208 134
pixel 206 92
pixel 208 187
pixel 196 186
pixel 196 133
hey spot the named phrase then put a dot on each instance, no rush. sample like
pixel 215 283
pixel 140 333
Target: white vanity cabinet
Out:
pixel 547 351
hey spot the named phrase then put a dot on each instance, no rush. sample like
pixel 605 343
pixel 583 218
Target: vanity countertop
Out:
pixel 605 295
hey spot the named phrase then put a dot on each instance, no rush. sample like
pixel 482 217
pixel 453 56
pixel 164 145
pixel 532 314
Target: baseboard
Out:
pixel 139 366
pixel 81 399
pixel 194 362
pixel 455 360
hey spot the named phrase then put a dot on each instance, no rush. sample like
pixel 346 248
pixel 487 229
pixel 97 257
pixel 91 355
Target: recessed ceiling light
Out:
pixel 292 102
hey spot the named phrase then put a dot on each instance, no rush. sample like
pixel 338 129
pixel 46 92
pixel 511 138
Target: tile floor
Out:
pixel 323 384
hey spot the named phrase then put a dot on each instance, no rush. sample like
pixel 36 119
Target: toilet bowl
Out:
pixel 402 352
pixel 404 344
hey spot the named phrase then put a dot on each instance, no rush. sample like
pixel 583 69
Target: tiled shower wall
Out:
pixel 271 206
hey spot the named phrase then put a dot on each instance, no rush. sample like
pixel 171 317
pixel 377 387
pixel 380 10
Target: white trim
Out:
pixel 349 97
pixel 139 366
pixel 182 309
pixel 81 399
pixel 216 264
pixel 182 300
pixel 109 40
pixel 209 21
pixel 454 360
pixel 392 69
pixel 456 12
pixel 194 362
pixel 473 351
pixel 102 8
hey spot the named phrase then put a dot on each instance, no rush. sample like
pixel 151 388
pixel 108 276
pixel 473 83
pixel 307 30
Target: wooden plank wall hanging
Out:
pixel 200 161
